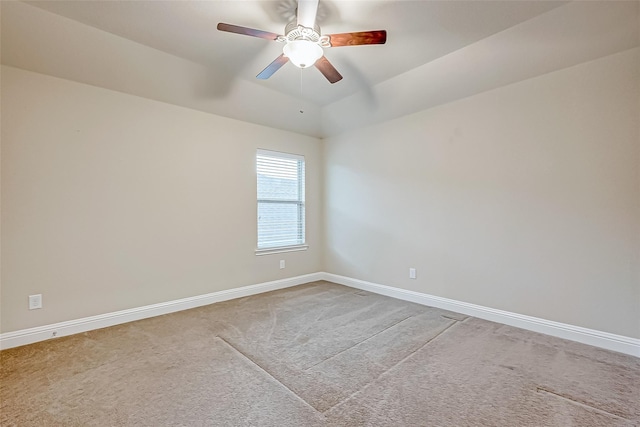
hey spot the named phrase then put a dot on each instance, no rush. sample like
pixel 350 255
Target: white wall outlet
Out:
pixel 35 301
pixel 412 273
pixel 281 264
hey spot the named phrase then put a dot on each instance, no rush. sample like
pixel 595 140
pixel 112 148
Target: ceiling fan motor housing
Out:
pixel 293 31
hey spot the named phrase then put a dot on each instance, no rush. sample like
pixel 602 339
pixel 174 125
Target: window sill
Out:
pixel 281 249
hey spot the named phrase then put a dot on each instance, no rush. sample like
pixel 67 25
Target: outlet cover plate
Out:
pixel 35 301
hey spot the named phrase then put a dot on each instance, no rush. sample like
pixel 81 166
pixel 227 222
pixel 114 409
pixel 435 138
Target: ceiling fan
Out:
pixel 304 44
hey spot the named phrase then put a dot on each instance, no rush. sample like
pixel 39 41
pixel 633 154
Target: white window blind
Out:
pixel 281 216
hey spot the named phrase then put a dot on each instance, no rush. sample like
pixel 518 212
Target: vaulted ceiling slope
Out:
pixel 437 52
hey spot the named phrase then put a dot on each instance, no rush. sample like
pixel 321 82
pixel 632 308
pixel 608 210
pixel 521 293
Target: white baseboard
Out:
pixel 600 339
pixel 41 333
pixel 593 337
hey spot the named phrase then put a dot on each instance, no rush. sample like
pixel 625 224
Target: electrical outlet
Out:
pixel 412 273
pixel 35 301
pixel 281 264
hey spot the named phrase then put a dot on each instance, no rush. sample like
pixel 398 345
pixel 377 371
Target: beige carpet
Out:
pixel 316 355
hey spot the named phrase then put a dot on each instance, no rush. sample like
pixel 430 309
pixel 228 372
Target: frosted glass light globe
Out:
pixel 302 53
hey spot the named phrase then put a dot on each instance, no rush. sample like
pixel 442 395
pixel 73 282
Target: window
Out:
pixel 281 218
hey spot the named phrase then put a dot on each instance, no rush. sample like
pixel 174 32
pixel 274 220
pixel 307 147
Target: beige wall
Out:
pixel 525 198
pixel 112 201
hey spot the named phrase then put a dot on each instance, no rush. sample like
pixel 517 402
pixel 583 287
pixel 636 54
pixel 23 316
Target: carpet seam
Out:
pixel 452 318
pixel 270 375
pixel 454 322
pixel 581 404
pixel 358 343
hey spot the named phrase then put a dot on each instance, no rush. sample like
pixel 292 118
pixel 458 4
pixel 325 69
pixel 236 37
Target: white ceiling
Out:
pixel 418 32
pixel 106 43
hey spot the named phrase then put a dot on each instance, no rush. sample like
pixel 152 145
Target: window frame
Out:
pixel 300 202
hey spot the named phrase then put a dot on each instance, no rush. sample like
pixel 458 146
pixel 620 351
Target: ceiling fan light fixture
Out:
pixel 302 53
pixel 304 43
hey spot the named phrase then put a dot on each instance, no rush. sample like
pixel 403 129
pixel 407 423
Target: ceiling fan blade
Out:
pixel 307 10
pixel 356 39
pixel 273 67
pixel 328 70
pixel 247 31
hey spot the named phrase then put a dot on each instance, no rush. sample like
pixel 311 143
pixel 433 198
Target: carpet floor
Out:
pixel 319 354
